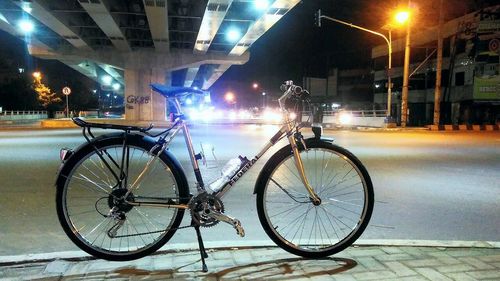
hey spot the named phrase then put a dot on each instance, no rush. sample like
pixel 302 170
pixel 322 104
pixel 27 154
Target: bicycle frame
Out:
pixel 180 124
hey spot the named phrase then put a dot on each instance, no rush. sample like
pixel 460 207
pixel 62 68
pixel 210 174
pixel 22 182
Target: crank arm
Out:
pixel 229 220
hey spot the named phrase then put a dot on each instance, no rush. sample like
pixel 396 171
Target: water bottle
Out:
pixel 227 172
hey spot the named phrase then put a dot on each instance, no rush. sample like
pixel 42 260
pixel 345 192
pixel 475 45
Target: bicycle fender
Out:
pixel 283 152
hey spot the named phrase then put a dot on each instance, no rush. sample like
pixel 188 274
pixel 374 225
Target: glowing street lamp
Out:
pixel 402 17
pixel 106 80
pixel 26 26
pixel 229 97
pixel 261 4
pixel 116 86
pixel 233 35
pixel 255 85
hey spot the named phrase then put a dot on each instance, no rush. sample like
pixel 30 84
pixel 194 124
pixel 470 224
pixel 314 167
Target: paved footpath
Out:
pixel 272 263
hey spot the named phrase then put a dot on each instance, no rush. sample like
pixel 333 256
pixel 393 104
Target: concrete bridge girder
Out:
pixel 172 61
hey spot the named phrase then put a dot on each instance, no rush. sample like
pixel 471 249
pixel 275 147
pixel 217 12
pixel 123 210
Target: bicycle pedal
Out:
pixel 239 229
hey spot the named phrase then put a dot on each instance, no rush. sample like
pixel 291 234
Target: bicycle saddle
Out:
pixel 170 91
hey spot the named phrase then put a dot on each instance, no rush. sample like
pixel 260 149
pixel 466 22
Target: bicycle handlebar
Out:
pixel 291 90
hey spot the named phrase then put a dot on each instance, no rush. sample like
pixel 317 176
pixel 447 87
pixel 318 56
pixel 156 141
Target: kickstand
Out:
pixel 203 253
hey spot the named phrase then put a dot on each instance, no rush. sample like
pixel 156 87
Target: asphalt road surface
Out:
pixel 428 185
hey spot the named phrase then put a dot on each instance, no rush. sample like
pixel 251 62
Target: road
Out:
pixel 428 185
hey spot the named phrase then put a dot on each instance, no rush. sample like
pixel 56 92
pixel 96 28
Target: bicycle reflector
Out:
pixel 65 153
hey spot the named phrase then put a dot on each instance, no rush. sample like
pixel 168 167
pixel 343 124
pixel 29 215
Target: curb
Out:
pixel 256 244
pixel 463 127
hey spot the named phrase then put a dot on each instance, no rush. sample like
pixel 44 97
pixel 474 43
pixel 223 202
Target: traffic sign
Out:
pixel 66 91
pixel 494 45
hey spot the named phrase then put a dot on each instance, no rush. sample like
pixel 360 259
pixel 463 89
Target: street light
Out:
pixel 263 99
pixel 319 16
pixel 233 35
pixel 404 17
pixel 400 17
pixel 26 26
pixel 106 80
pixel 229 97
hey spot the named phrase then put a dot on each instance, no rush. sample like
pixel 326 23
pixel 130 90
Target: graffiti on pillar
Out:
pixel 137 100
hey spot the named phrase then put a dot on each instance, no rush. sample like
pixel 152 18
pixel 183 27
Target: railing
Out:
pixel 358 113
pixel 23 114
pixel 363 118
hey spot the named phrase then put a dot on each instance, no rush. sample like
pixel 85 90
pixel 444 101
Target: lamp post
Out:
pixel 404 17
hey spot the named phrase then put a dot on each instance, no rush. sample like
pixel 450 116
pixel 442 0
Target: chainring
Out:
pixel 202 202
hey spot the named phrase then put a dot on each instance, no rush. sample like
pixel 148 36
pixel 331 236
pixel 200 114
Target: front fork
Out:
pixel 300 165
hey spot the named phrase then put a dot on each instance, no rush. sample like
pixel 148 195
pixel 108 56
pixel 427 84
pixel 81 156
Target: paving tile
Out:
pixel 475 262
pixel 77 268
pixel 356 263
pixel 415 251
pixel 392 250
pixel 371 263
pixel 375 275
pixel 422 262
pixel 57 266
pixel 408 278
pixel 399 268
pixel 454 268
pixel 432 274
pixel 322 278
pixel 448 260
pixel 395 257
pixel 460 276
pixel 485 274
pixel 490 258
pixel 343 277
pixel 464 253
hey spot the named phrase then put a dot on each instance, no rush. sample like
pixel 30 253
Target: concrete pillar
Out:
pixel 142 103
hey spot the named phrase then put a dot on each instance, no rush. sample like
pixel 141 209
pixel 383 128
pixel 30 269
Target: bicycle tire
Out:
pixel 68 184
pixel 273 184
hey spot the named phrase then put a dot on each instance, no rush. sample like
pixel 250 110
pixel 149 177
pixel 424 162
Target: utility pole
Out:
pixel 406 70
pixel 437 90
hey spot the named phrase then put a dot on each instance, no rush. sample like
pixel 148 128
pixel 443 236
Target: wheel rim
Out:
pixel 296 221
pixel 88 194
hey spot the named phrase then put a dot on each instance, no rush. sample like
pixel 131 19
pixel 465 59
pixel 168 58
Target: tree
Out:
pixel 45 96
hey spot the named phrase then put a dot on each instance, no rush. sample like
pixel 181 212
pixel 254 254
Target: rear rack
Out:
pixel 85 124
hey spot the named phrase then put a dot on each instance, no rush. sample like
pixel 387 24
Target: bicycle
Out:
pixel 122 196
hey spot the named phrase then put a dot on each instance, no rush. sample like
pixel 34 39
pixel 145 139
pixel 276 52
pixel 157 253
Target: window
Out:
pixel 459 78
pixel 460 45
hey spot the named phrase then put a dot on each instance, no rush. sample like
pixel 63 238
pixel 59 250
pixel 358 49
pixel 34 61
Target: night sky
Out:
pixel 295 47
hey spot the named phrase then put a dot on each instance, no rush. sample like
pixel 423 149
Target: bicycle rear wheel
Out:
pixel 87 190
pixel 289 217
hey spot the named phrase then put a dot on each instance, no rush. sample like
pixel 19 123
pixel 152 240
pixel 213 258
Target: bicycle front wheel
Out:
pixel 91 206
pixel 287 213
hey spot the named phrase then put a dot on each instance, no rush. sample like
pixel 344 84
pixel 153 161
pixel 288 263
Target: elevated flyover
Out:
pixel 138 42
